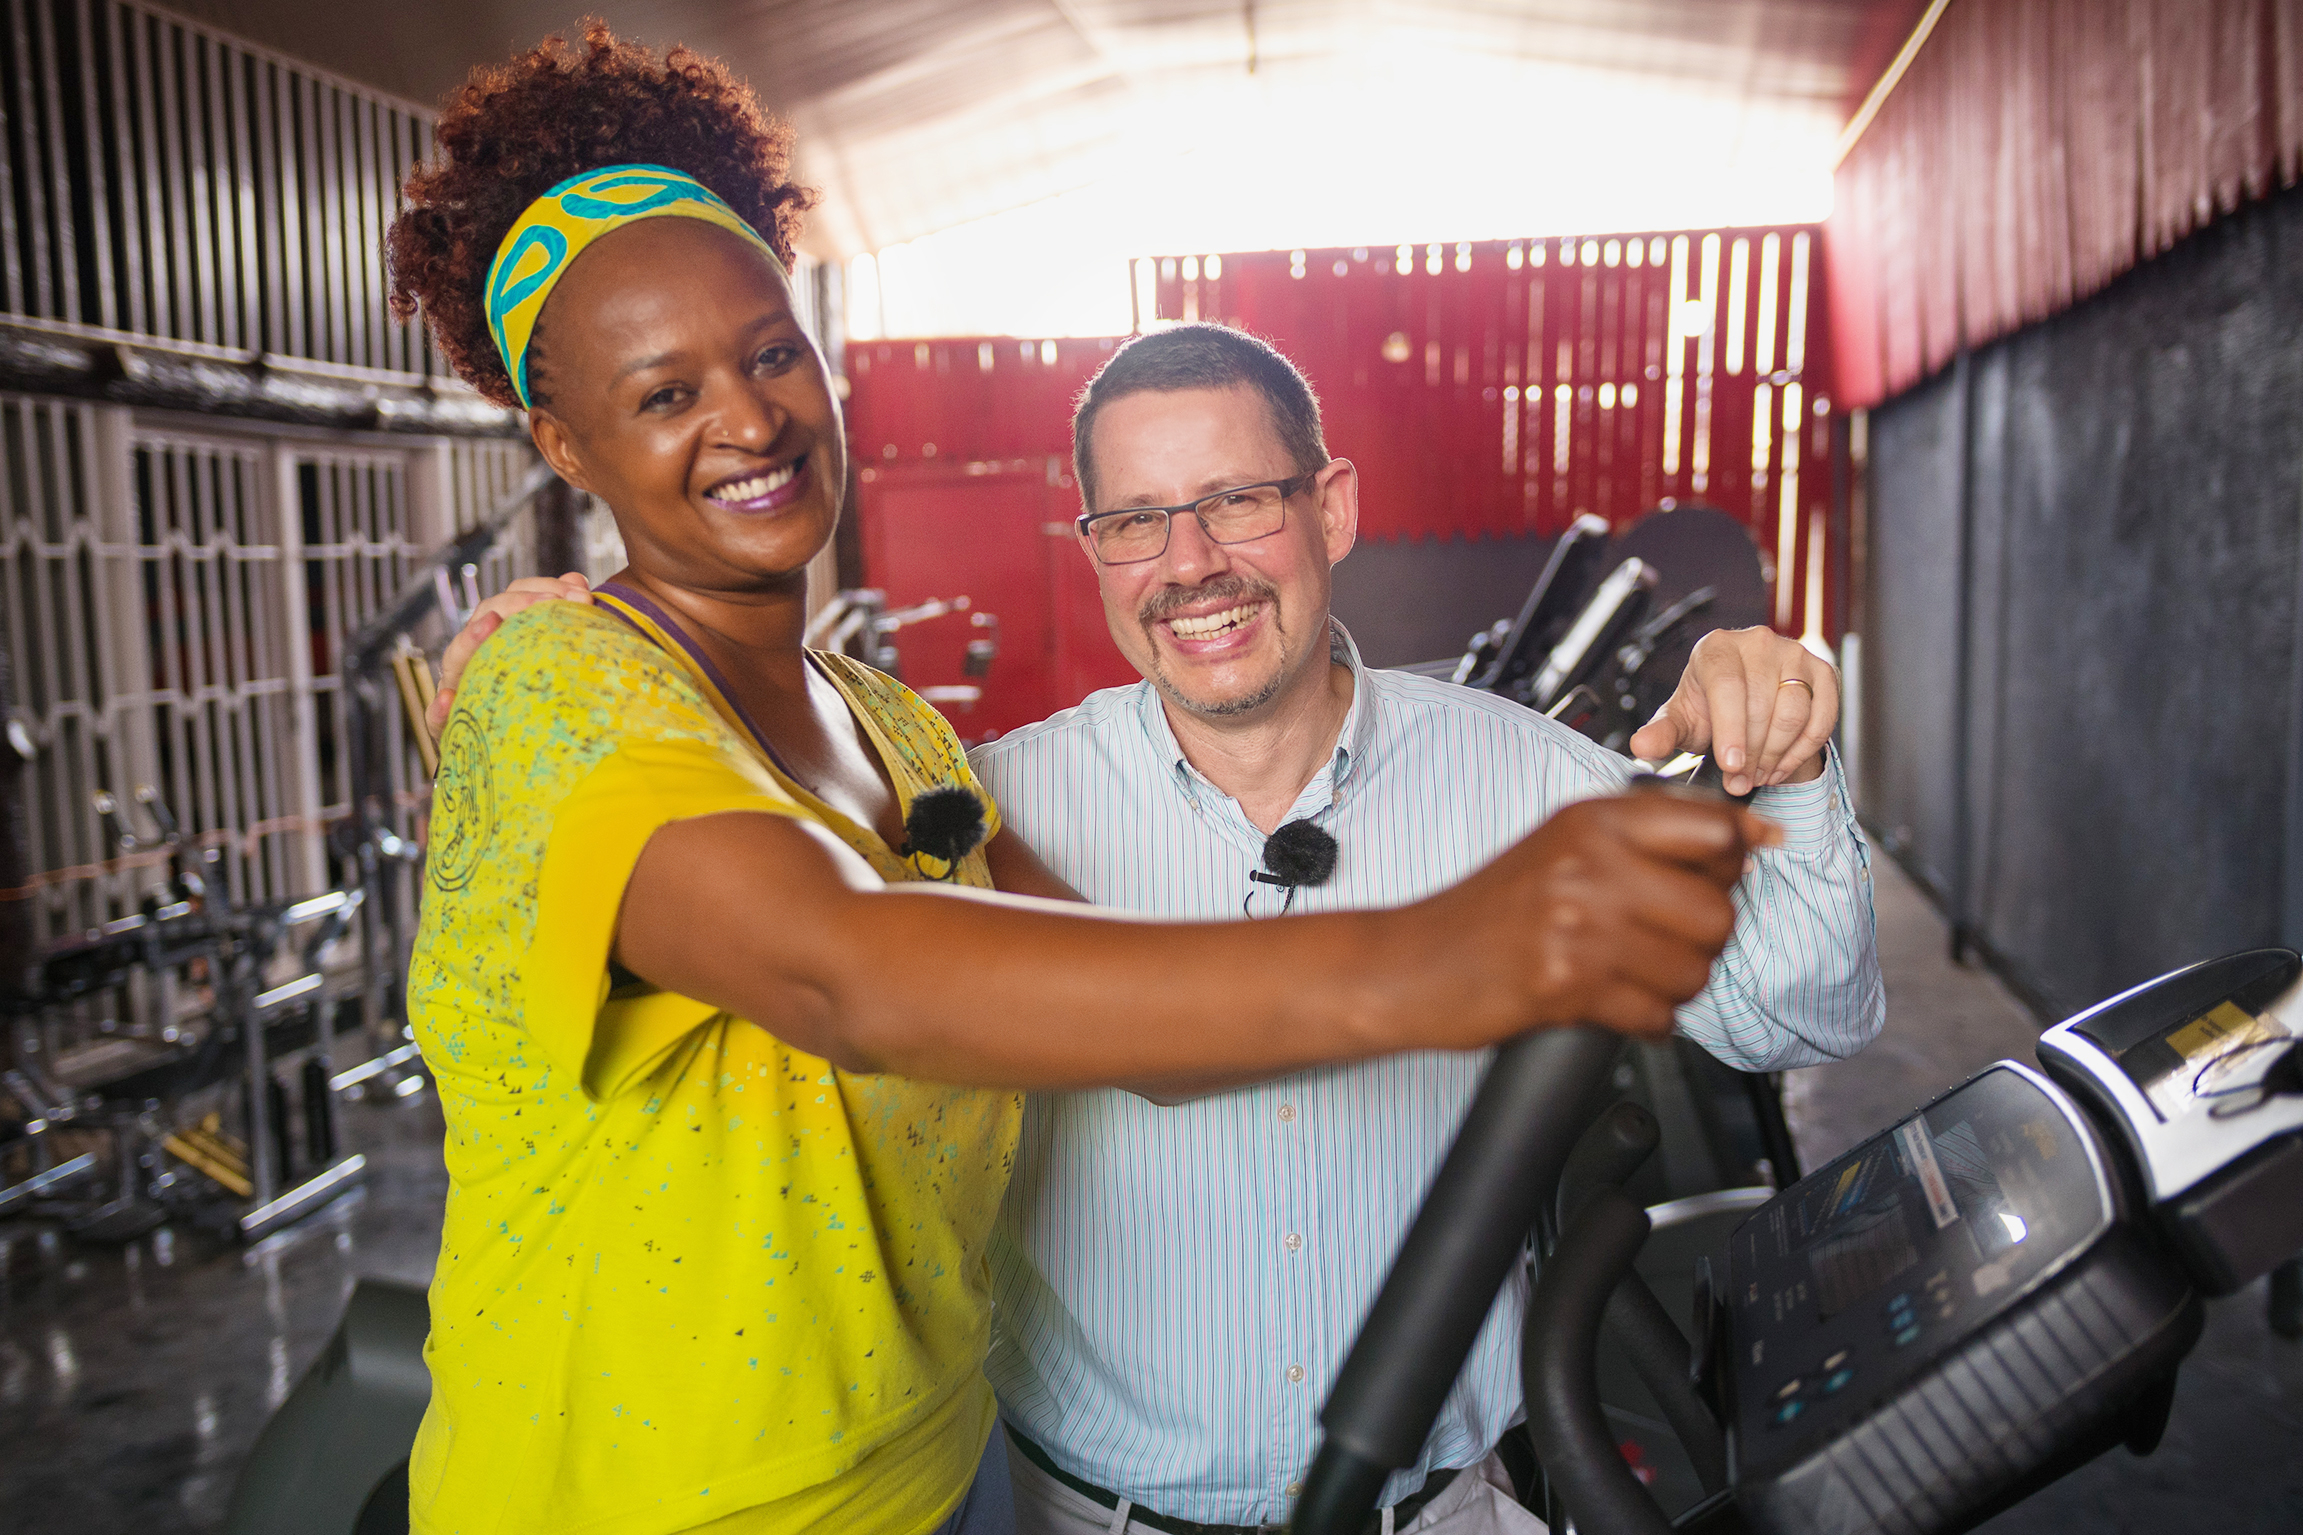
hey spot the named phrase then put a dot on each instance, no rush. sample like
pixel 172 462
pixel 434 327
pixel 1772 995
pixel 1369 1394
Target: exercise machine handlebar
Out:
pixel 1560 1362
pixel 1606 1155
pixel 1660 1356
pixel 1503 1168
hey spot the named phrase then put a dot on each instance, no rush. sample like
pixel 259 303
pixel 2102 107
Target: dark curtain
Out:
pixel 2082 646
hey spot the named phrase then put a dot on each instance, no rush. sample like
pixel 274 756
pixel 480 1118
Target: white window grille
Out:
pixel 177 601
pixel 200 606
pixel 162 180
pixel 358 544
pixel 66 574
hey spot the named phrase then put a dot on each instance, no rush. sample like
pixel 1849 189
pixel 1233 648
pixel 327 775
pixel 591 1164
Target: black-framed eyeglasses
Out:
pixel 1241 515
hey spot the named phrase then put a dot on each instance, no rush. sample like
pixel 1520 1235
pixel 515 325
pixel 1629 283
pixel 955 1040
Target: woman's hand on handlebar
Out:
pixel 486 619
pixel 1611 912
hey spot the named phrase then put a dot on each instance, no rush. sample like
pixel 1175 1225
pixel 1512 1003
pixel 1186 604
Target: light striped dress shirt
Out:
pixel 1176 1287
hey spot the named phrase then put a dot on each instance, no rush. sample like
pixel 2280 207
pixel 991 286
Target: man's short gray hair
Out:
pixel 1201 356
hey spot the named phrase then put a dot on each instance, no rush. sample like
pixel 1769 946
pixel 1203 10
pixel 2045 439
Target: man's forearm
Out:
pixel 1799 983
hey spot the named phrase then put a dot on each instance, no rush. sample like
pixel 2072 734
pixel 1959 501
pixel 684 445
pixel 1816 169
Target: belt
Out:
pixel 1402 1514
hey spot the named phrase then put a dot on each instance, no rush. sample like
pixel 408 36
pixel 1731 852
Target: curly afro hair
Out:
pixel 515 130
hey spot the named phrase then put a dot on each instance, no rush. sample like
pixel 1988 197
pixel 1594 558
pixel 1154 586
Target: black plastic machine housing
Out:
pixel 1941 1315
pixel 2196 1073
pixel 2001 1286
pixel 1964 1307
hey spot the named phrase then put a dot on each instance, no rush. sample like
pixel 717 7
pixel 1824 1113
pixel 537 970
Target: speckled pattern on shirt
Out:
pixel 686 1269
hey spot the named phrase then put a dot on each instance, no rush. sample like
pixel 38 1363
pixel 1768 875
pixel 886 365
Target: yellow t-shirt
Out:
pixel 688 1273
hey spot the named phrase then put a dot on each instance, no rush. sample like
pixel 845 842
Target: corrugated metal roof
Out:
pixel 916 115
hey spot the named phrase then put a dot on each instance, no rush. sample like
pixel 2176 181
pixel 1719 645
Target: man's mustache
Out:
pixel 1170 600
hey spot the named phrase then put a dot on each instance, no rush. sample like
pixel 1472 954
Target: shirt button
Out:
pixel 1295 1489
pixel 1295 1373
pixel 1287 1111
pixel 1294 1242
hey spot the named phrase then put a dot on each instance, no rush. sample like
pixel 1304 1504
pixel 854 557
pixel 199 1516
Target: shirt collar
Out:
pixel 1351 743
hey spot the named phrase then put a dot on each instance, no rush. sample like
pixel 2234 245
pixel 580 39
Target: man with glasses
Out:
pixel 1177 1284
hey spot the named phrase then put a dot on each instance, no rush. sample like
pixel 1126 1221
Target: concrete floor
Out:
pixel 133 1380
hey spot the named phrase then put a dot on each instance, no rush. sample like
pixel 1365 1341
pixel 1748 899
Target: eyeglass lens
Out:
pixel 1233 517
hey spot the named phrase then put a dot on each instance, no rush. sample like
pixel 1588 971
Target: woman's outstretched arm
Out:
pixel 1610 913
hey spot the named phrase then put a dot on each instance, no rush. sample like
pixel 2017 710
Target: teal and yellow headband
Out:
pixel 552 233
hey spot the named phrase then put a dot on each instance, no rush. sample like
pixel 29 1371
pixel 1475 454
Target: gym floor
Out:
pixel 133 1380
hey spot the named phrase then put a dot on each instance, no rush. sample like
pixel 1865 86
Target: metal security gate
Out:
pixel 357 548
pixel 160 180
pixel 176 605
pixel 69 577
pixel 208 625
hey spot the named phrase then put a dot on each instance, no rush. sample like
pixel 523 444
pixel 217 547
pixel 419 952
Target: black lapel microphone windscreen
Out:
pixel 1299 853
pixel 945 823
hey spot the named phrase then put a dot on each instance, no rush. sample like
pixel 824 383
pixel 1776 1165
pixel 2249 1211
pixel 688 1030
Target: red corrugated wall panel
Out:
pixel 1892 238
pixel 1940 180
pixel 2242 109
pixel 2177 195
pixel 2284 72
pixel 1497 388
pixel 1857 324
pixel 964 488
pixel 1506 386
pixel 2043 190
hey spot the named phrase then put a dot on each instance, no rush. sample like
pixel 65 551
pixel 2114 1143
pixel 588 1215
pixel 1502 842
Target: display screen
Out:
pixel 1858 1237
pixel 1857 1229
pixel 1855 1277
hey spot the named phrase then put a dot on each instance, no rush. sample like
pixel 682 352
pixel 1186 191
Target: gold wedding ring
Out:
pixel 1796 682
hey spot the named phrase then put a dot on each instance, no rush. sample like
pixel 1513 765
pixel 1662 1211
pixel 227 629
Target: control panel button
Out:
pixel 1835 1361
pixel 1902 1320
pixel 1837 1380
pixel 1789 1388
pixel 1782 1416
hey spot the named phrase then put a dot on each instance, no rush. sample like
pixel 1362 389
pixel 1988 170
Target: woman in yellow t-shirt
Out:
pixel 730 1074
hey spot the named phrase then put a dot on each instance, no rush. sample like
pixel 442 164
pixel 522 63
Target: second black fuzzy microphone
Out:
pixel 1296 855
pixel 944 823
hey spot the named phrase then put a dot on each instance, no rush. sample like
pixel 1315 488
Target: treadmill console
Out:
pixel 1855 1280
pixel 2198 1072
pixel 1969 1280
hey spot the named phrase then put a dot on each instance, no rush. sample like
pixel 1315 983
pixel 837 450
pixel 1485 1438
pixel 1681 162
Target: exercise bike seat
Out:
pixel 333 1460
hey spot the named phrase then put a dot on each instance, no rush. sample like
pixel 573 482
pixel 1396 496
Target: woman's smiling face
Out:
pixel 679 387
